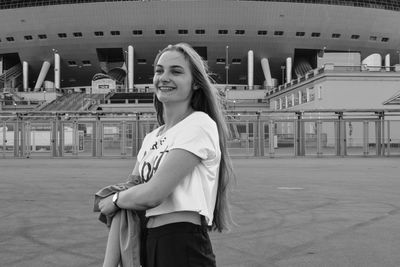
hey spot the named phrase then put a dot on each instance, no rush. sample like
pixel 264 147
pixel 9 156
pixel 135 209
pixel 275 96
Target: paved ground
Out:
pixel 289 212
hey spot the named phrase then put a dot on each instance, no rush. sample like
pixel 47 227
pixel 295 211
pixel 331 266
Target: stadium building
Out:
pixel 50 45
pixel 319 77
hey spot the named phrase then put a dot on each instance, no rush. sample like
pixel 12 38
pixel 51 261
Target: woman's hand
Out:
pixel 107 206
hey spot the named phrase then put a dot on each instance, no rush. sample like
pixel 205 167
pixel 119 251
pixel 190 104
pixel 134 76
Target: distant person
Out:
pixel 183 165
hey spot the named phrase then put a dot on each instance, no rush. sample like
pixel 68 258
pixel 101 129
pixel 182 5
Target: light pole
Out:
pixel 5 80
pixel 227 65
pixel 283 73
pixel 126 66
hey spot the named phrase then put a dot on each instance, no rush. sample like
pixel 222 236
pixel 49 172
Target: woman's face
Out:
pixel 173 78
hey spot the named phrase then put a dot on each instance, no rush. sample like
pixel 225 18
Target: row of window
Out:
pixel 73 63
pixel 198 31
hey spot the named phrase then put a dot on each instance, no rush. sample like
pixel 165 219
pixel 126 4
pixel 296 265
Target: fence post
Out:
pixel 341 146
pixel 99 137
pixel 271 130
pixel 299 135
pixel 379 130
pixel 256 139
pixel 319 138
pixel 75 138
pixel 136 150
pixel 366 138
pixel 388 138
pixel 27 134
pixel 16 137
pixel 123 139
pixel 261 131
pixel 54 137
pixel 4 133
pixel 61 137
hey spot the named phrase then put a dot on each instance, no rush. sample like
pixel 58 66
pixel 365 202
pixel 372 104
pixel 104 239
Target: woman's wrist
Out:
pixel 115 200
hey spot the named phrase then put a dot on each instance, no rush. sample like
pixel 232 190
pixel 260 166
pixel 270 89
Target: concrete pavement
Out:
pixel 289 212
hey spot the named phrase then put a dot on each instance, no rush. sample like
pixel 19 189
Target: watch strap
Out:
pixel 115 200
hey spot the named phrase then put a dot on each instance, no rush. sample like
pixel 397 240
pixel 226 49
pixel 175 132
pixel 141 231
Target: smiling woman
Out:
pixel 173 81
pixel 183 165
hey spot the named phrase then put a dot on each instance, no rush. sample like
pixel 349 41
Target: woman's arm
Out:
pixel 177 164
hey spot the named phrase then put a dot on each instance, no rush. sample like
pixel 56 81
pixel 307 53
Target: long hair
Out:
pixel 207 99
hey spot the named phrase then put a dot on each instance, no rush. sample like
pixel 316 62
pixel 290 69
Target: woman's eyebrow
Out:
pixel 176 67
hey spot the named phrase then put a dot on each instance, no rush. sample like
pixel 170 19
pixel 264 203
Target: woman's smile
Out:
pixel 166 88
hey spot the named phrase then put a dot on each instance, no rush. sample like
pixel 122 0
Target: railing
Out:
pixel 317 133
pixel 331 68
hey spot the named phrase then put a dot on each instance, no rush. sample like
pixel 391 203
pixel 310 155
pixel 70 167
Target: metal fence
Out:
pixel 317 133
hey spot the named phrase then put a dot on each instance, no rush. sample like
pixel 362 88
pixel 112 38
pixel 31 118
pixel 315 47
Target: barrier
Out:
pixel 266 133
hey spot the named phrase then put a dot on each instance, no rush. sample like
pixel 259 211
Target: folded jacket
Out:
pixel 123 244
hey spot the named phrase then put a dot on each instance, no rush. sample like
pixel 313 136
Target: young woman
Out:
pixel 184 165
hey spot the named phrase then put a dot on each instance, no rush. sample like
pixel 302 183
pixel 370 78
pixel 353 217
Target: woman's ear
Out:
pixel 195 87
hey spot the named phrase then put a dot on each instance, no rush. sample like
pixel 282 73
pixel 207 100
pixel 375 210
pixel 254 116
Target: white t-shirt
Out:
pixel 198 134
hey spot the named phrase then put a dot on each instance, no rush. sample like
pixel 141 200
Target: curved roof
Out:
pixel 379 4
pixel 88 35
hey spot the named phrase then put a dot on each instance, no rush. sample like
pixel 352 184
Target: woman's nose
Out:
pixel 164 77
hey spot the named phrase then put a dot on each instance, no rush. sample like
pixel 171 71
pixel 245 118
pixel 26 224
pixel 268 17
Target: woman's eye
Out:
pixel 176 71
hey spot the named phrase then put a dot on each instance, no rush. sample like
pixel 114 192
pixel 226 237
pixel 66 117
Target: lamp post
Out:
pixel 126 66
pixel 5 80
pixel 227 65
pixel 283 73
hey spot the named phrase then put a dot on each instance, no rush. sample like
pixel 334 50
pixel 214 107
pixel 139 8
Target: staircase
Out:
pixel 11 74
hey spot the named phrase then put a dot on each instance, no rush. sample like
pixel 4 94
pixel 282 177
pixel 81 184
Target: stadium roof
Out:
pixel 378 4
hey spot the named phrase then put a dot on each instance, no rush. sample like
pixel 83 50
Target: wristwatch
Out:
pixel 115 199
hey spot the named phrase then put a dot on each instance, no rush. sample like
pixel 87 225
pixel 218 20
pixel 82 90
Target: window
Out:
pixel 137 32
pixel 355 36
pixel 98 33
pixel 311 94
pixel 141 61
pixel 373 38
pixel 240 32
pixel 28 37
pixel 200 31
pixel 42 36
pixel 77 34
pixel 236 61
pixel 385 39
pixel 72 63
pixel 86 63
pixel 336 35
pixel 315 34
pixel 278 33
pixel 183 31
pixel 303 97
pixel 115 33
pixel 220 60
pixel 10 39
pixel 222 31
pixel 296 99
pixel 262 32
pixel 62 35
pixel 289 101
pixel 300 34
pixel 160 32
